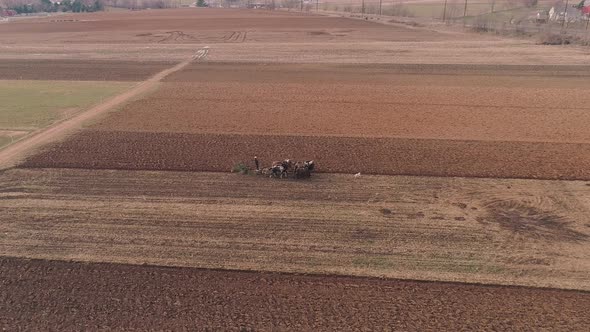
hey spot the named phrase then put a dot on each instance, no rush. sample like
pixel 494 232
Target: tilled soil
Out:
pixel 261 72
pixel 73 296
pixel 80 70
pixel 401 106
pixel 216 152
pixel 189 26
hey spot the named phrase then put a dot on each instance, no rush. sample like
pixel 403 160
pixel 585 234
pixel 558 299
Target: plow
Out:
pixel 286 168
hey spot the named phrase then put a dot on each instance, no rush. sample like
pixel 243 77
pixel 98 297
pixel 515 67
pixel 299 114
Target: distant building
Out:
pixel 560 13
pixel 7 12
pixel 258 5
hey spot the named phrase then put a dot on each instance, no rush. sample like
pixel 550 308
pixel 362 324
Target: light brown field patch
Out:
pixel 329 224
pixel 196 26
pixel 403 106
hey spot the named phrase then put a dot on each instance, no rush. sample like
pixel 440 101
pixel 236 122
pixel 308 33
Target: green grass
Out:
pixel 5 140
pixel 31 105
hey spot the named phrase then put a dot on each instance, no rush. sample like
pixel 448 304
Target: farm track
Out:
pixel 235 37
pixel 176 37
pixel 100 149
pixel 75 296
pixel 522 232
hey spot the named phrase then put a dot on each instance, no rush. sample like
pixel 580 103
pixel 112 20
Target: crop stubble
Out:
pixel 473 230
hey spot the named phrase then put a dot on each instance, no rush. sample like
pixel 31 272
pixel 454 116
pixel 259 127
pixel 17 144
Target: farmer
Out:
pixel 257 164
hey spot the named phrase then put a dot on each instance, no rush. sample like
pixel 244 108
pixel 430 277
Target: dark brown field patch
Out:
pixel 79 70
pixel 531 221
pixel 79 296
pixel 215 152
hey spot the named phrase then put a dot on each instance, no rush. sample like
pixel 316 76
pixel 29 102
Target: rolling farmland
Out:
pixel 472 205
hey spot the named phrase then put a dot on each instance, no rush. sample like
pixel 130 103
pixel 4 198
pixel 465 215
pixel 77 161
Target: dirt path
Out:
pixel 14 153
pixel 76 296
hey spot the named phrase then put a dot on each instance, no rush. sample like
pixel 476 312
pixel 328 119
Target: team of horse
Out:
pixel 288 167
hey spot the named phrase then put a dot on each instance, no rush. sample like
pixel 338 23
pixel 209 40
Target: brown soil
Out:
pixel 489 108
pixel 380 119
pixel 79 70
pixel 269 36
pixel 471 75
pixel 519 232
pixel 217 152
pixel 213 26
pixel 73 296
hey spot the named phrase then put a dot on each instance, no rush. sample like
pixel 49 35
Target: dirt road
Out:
pixel 15 152
pixel 74 296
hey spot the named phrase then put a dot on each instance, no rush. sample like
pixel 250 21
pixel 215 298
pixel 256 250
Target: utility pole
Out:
pixel 465 10
pixel 493 5
pixel 317 5
pixel 301 8
pixel 363 8
pixel 445 12
pixel 465 14
pixel 565 14
pixel 380 5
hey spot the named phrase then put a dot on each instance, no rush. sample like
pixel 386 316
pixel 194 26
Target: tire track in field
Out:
pixel 10 155
pixel 235 37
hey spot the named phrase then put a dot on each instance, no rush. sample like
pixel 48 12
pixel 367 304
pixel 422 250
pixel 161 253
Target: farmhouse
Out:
pixel 560 12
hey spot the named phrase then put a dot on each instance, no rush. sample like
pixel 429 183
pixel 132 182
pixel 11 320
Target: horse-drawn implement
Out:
pixel 287 168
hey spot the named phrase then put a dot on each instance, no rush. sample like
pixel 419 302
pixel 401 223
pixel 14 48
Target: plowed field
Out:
pixel 369 119
pixel 73 296
pixel 402 106
pixel 214 152
pixel 190 26
pixel 269 36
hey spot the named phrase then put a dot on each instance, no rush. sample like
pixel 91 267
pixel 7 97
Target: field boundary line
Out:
pixel 13 153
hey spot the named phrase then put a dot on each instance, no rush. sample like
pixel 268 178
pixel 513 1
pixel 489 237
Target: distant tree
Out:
pixel 202 3
pixel 530 3
pixel 66 5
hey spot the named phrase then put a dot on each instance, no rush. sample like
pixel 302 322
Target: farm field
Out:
pixel 180 298
pixel 26 106
pixel 237 35
pixel 79 70
pixel 514 232
pixel 380 119
pixel 474 154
